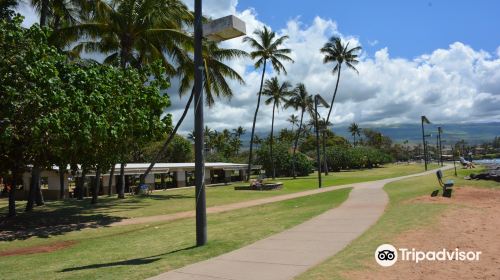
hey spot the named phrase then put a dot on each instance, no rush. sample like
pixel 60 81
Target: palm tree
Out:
pixel 354 130
pixel 266 48
pixel 132 32
pixel 190 135
pixel 215 84
pixel 335 51
pixel 277 94
pixel 300 99
pixel 236 142
pixel 56 13
pixel 293 119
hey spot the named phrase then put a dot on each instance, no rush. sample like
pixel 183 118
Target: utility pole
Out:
pixel 424 120
pixel 318 159
pixel 199 150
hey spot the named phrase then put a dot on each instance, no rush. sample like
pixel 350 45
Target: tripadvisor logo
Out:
pixel 387 255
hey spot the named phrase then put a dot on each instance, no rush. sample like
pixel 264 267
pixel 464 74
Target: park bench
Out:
pixel 446 186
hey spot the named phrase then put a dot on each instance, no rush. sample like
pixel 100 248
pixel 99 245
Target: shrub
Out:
pixel 283 161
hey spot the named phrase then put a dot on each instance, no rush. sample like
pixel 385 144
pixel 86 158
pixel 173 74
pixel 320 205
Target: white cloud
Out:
pixel 453 84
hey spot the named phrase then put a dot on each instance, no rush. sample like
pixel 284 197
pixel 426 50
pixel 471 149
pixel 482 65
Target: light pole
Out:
pixel 424 120
pixel 454 163
pixel 220 29
pixel 440 145
pixel 318 99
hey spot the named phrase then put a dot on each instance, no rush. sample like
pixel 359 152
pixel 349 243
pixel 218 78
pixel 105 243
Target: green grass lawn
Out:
pixel 140 251
pixel 400 216
pixel 111 209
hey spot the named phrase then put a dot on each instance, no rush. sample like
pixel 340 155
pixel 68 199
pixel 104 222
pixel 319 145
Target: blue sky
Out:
pixel 407 28
pixel 435 58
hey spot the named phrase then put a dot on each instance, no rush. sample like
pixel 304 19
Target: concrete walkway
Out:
pixel 290 253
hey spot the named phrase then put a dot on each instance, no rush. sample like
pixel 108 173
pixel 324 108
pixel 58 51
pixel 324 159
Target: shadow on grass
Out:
pixel 59 217
pixel 136 261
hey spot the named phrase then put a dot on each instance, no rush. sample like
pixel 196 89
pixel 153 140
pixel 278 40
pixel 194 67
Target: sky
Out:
pixel 435 58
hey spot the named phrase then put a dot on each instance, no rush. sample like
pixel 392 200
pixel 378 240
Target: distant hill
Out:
pixel 473 133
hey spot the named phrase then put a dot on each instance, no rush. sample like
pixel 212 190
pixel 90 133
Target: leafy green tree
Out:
pixel 335 51
pixel 277 94
pixel 7 9
pixel 374 138
pixel 299 100
pixel 131 33
pixel 266 48
pixel 180 150
pixel 284 160
pixel 58 111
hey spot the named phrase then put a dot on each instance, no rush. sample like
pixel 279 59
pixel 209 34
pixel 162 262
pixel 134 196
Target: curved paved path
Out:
pixel 291 252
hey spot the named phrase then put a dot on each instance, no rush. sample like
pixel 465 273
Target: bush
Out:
pixel 283 161
pixel 354 158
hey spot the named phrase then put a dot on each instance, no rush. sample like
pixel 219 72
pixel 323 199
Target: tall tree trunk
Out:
pixel 170 137
pixel 271 143
pixel 111 174
pixel 38 193
pixel 121 191
pixel 296 143
pixel 354 139
pixel 31 194
pixel 62 171
pixel 334 94
pixel 333 98
pixel 249 168
pixel 325 162
pixel 44 11
pixel 81 187
pixel 12 193
pixel 97 185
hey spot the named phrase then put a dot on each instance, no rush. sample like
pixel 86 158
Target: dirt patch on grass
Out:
pixel 472 228
pixel 38 249
pixel 465 195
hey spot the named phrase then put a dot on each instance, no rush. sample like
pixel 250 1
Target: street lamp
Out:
pixel 424 120
pixel 218 30
pixel 440 145
pixel 318 99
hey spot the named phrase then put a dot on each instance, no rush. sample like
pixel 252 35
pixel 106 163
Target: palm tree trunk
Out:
pixel 271 143
pixel 121 191
pixel 333 99
pixel 354 139
pixel 44 13
pixel 324 154
pixel 249 168
pixel 12 193
pixel 62 170
pixel 170 137
pixel 334 94
pixel 110 184
pixel 97 184
pixel 296 143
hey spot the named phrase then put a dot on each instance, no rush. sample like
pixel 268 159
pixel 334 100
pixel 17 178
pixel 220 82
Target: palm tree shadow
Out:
pixel 136 261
